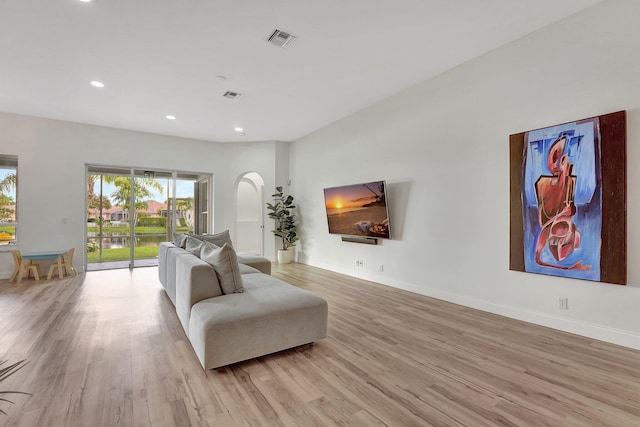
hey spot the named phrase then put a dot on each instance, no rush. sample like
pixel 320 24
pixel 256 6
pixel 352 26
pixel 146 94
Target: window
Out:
pixel 8 199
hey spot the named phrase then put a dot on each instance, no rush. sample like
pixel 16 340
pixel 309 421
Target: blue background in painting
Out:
pixel 588 218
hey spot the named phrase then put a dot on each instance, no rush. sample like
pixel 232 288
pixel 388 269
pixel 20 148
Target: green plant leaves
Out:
pixel 281 210
pixel 5 373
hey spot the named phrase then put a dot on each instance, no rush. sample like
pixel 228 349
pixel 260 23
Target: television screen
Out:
pixel 358 210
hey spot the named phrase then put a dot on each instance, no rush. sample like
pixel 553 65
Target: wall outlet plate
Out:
pixel 563 303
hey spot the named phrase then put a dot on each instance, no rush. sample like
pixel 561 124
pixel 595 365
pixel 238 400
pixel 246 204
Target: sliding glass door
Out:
pixel 108 219
pixel 152 191
pixel 130 211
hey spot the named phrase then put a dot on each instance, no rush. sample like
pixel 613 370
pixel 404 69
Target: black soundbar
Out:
pixel 356 239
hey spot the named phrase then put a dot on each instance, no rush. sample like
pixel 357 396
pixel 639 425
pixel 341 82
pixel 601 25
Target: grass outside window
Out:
pixel 122 254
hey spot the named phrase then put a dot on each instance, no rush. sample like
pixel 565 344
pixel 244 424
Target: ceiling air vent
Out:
pixel 230 94
pixel 281 38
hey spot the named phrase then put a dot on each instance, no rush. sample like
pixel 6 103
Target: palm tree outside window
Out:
pixel 8 199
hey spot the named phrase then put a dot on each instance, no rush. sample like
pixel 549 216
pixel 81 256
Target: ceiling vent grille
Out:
pixel 281 38
pixel 231 95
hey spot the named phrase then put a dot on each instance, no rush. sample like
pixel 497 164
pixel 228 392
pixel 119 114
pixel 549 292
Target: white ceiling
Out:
pixel 160 57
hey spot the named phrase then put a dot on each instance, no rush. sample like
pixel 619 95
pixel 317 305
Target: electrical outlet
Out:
pixel 563 303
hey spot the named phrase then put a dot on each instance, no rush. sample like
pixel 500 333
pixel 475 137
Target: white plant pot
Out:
pixel 285 256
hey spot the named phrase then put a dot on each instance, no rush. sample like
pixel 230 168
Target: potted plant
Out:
pixel 282 211
pixel 6 372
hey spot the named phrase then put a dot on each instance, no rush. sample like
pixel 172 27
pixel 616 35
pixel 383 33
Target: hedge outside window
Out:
pixel 8 199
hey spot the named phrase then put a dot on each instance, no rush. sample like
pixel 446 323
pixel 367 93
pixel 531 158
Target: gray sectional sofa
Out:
pixel 229 305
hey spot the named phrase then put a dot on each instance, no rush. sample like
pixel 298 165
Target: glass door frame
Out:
pixel 170 223
pixel 134 172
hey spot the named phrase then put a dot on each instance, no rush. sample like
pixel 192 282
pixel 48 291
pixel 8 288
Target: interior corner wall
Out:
pixel 282 165
pixel 282 180
pixel 52 156
pixel 443 148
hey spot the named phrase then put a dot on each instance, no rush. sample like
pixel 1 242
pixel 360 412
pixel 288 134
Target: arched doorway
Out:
pixel 250 214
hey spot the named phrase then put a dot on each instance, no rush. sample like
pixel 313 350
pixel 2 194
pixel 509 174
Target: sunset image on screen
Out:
pixel 359 210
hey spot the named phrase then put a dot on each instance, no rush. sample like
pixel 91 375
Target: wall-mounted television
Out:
pixel 358 210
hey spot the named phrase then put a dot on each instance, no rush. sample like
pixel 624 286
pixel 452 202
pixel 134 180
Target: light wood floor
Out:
pixel 106 349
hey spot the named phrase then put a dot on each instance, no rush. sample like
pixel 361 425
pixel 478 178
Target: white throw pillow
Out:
pixel 193 245
pixel 180 240
pixel 218 239
pixel 225 263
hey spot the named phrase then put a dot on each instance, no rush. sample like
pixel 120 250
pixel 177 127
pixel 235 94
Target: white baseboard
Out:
pixel 590 330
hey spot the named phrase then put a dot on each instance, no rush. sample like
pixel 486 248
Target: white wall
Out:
pixel 265 159
pixel 443 148
pixel 51 174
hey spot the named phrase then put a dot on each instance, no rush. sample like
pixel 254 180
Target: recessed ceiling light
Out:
pixel 85 1
pixel 97 84
pixel 170 117
pixel 239 129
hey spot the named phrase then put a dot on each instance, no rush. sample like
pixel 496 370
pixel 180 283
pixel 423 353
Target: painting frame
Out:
pixel 612 165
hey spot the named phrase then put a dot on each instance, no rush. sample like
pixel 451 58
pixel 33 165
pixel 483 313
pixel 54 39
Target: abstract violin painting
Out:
pixel 568 200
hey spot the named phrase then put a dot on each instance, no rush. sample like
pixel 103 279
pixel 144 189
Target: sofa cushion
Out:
pixel 269 316
pixel 218 239
pixel 193 245
pixel 225 263
pixel 172 255
pixel 196 280
pixel 255 261
pixel 163 248
pixel 246 269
